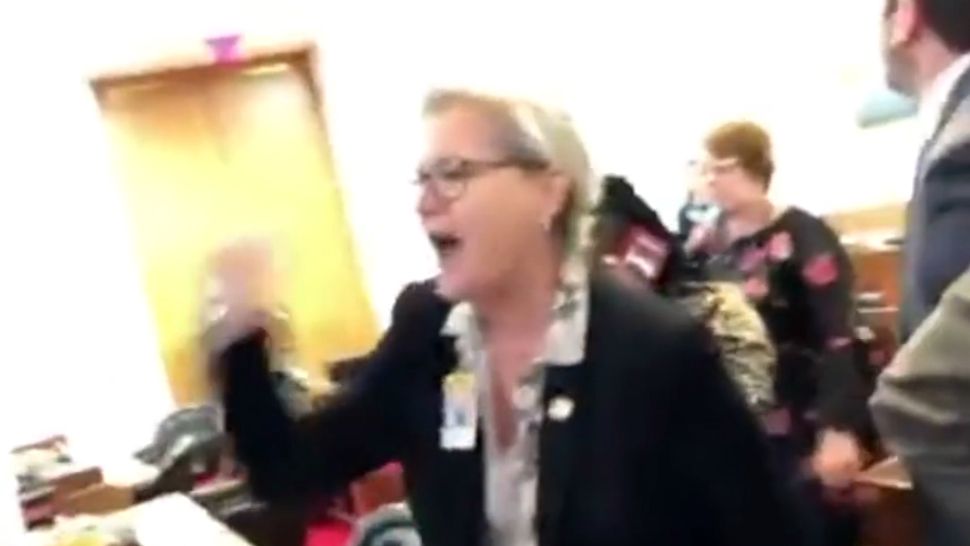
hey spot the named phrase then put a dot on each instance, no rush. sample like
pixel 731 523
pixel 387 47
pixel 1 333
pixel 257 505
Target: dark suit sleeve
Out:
pixel 358 431
pixel 723 458
pixel 946 245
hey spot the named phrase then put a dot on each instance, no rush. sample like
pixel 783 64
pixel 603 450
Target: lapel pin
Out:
pixel 560 408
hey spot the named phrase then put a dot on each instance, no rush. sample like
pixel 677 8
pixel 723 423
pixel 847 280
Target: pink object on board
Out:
pixel 330 533
pixel 225 49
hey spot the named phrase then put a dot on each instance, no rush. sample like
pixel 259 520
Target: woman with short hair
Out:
pixel 531 399
pixel 794 270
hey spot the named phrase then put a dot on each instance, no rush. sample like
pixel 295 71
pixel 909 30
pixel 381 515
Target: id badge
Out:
pixel 459 425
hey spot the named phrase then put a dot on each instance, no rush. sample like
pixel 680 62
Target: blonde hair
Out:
pixel 529 132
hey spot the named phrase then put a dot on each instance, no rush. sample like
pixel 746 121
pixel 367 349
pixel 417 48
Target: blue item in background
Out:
pixel 885 106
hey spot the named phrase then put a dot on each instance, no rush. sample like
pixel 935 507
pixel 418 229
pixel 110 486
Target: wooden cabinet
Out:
pixel 212 153
pixel 872 238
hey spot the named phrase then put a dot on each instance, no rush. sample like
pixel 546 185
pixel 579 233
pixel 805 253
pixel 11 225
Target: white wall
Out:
pixel 11 520
pixel 642 79
pixel 77 334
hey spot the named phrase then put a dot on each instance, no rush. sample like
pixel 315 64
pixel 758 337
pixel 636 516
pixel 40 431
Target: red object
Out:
pixel 37 514
pixel 752 260
pixel 821 270
pixel 835 343
pixel 644 252
pixel 369 493
pixel 756 288
pixel 383 486
pixel 329 533
pixel 780 246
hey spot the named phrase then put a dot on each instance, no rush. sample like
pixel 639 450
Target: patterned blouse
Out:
pixel 800 279
pixel 512 474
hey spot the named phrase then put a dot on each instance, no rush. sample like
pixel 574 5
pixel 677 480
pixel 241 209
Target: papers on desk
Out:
pixel 128 472
pixel 175 519
pixel 889 474
pixel 165 521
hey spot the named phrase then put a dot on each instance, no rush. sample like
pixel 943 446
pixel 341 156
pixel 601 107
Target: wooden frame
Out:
pixel 301 54
pixel 250 52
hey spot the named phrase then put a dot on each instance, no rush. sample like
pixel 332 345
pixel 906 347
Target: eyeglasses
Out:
pixel 715 167
pixel 449 177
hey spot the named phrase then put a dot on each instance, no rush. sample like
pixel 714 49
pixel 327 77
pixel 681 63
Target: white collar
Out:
pixel 934 99
pixel 565 343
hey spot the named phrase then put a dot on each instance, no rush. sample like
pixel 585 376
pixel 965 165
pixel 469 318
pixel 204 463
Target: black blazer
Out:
pixel 659 451
pixel 938 218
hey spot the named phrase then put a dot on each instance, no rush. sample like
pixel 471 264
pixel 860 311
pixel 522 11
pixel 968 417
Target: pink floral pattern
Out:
pixel 821 270
pixel 780 246
pixel 645 253
pixel 752 260
pixel 835 343
pixel 756 288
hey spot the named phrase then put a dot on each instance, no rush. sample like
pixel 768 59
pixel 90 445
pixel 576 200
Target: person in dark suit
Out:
pixel 532 400
pixel 927 49
pixel 919 405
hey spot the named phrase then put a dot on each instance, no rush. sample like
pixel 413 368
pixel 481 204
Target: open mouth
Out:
pixel 445 245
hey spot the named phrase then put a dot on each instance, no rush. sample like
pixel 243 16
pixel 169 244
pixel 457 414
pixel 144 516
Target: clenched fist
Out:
pixel 244 280
pixel 838 459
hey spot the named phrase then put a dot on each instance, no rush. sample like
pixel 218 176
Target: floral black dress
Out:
pixel 799 277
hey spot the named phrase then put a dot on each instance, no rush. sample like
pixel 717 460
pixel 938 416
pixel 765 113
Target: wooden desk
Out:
pixel 59 482
pixel 175 519
pixel 890 515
